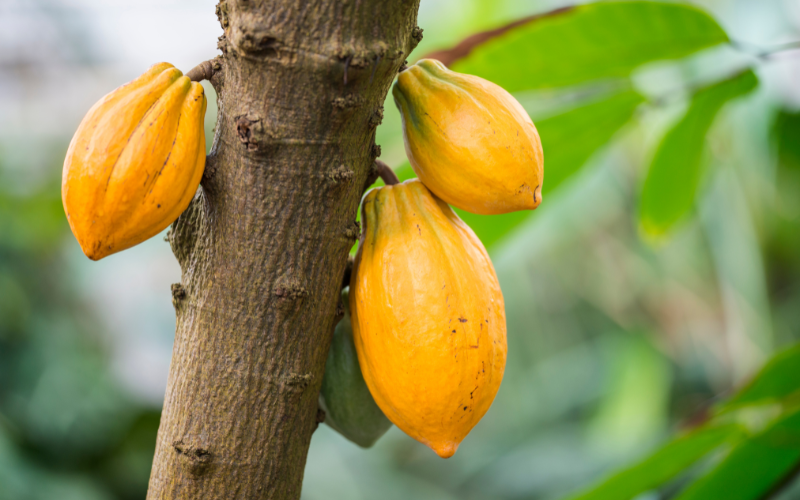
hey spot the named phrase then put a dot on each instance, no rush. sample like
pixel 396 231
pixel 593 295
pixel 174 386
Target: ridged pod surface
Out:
pixel 469 141
pixel 135 161
pixel 349 407
pixel 428 316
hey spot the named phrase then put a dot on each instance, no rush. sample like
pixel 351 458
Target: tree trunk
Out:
pixel 264 244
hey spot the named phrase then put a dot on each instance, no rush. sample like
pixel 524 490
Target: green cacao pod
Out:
pixel 348 404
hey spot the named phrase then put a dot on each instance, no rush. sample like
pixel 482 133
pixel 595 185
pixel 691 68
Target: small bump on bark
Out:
pixel 222 44
pixel 362 57
pixel 349 101
pixel 290 291
pixel 416 37
pixel 340 175
pixel 178 294
pixel 353 231
pixel 249 129
pixel 377 117
pixel 301 380
pixel 222 14
pixel 256 42
pixel 297 383
pixel 195 459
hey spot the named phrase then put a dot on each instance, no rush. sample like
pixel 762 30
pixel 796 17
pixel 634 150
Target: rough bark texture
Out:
pixel 264 245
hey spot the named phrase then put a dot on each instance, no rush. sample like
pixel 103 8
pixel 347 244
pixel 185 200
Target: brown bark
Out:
pixel 264 245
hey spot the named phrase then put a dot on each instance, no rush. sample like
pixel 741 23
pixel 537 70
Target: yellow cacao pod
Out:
pixel 135 161
pixel 469 141
pixel 428 316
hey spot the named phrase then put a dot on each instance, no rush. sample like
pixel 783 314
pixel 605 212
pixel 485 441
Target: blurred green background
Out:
pixel 661 270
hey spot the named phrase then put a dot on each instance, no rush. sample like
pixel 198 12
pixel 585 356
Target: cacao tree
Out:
pixel 263 250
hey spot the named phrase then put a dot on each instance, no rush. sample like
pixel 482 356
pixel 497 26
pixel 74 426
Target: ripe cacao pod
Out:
pixel 428 316
pixel 135 161
pixel 469 141
pixel 349 407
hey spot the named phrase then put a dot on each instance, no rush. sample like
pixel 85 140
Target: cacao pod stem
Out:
pixel 203 71
pixel 386 173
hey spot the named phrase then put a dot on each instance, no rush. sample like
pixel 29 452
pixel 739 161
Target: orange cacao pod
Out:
pixel 469 141
pixel 135 161
pixel 428 316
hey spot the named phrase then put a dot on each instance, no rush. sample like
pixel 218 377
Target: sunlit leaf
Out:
pixel 755 466
pixel 674 175
pixel 571 138
pixel 587 42
pixel 664 464
pixel 778 379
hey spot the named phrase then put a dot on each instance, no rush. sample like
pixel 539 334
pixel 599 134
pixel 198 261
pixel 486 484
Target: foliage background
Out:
pixel 616 339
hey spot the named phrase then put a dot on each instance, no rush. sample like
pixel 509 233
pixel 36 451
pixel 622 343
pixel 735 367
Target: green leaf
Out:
pixel 571 138
pixel 568 140
pixel 674 175
pixel 587 42
pixel 777 380
pixel 786 134
pixel 664 464
pixel 754 467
